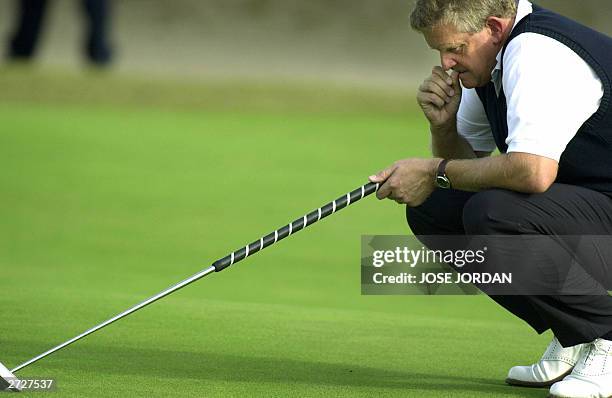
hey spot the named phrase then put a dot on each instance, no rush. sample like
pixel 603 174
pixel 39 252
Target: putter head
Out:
pixel 6 377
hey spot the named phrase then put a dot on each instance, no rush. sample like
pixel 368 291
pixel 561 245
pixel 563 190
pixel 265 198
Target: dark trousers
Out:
pixel 30 18
pixel 562 210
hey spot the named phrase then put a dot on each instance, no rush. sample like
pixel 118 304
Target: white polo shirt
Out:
pixel 550 92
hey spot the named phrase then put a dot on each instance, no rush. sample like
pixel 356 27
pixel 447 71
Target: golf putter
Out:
pixel 8 380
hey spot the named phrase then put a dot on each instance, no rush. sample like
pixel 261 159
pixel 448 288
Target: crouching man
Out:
pixel 536 86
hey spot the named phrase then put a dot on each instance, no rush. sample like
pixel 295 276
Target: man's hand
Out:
pixel 408 181
pixel 439 97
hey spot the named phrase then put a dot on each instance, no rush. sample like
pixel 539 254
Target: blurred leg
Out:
pixel 29 18
pixel 97 47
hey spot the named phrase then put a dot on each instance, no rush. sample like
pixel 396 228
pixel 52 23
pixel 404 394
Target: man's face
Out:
pixel 472 55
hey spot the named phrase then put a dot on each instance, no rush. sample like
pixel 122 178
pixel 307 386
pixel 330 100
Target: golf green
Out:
pixel 114 188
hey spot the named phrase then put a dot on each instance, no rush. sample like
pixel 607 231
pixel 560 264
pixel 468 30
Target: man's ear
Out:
pixel 496 27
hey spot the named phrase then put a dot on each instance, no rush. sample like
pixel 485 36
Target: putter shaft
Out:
pixel 230 259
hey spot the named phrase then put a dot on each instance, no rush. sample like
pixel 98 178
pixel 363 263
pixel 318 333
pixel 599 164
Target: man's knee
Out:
pixel 440 214
pixel 495 211
pixel 419 219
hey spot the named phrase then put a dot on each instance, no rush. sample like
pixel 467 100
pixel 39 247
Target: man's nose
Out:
pixel 447 62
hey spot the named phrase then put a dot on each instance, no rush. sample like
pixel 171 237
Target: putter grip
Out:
pixel 295 226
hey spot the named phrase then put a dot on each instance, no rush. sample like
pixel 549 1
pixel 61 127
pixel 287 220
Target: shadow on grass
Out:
pixel 217 366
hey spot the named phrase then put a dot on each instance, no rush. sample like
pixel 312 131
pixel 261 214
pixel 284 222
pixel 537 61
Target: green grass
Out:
pixel 113 188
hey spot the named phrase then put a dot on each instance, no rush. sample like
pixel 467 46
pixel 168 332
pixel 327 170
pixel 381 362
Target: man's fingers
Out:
pixel 447 84
pixel 431 98
pixel 439 88
pixel 382 175
pixel 441 73
pixel 446 88
pixel 456 82
pixel 384 191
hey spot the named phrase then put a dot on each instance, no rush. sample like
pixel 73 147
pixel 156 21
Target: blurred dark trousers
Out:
pixel 30 16
pixel 562 210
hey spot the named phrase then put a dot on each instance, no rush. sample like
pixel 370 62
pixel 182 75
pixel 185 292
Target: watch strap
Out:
pixel 442 179
pixel 442 168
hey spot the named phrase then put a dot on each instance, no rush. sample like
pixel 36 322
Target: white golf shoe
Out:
pixel 556 363
pixel 592 376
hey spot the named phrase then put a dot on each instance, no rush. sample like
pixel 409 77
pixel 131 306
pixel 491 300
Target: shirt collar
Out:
pixel 524 8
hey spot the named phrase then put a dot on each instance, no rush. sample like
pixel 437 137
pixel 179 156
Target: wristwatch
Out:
pixel 442 180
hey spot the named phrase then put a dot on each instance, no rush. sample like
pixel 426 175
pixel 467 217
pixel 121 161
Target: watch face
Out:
pixel 443 182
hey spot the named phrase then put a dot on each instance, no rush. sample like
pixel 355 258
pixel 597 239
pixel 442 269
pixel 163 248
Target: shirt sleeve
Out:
pixel 472 122
pixel 550 93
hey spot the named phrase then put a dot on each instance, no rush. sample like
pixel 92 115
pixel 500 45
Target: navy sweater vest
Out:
pixel 587 160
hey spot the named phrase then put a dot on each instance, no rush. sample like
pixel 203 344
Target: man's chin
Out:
pixel 469 81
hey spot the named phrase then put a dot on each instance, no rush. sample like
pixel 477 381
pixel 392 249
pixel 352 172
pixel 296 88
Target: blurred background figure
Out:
pixel 29 19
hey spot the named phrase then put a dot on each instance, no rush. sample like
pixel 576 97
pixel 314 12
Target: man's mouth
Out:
pixel 460 73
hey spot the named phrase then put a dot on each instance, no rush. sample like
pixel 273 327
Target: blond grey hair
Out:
pixel 468 16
